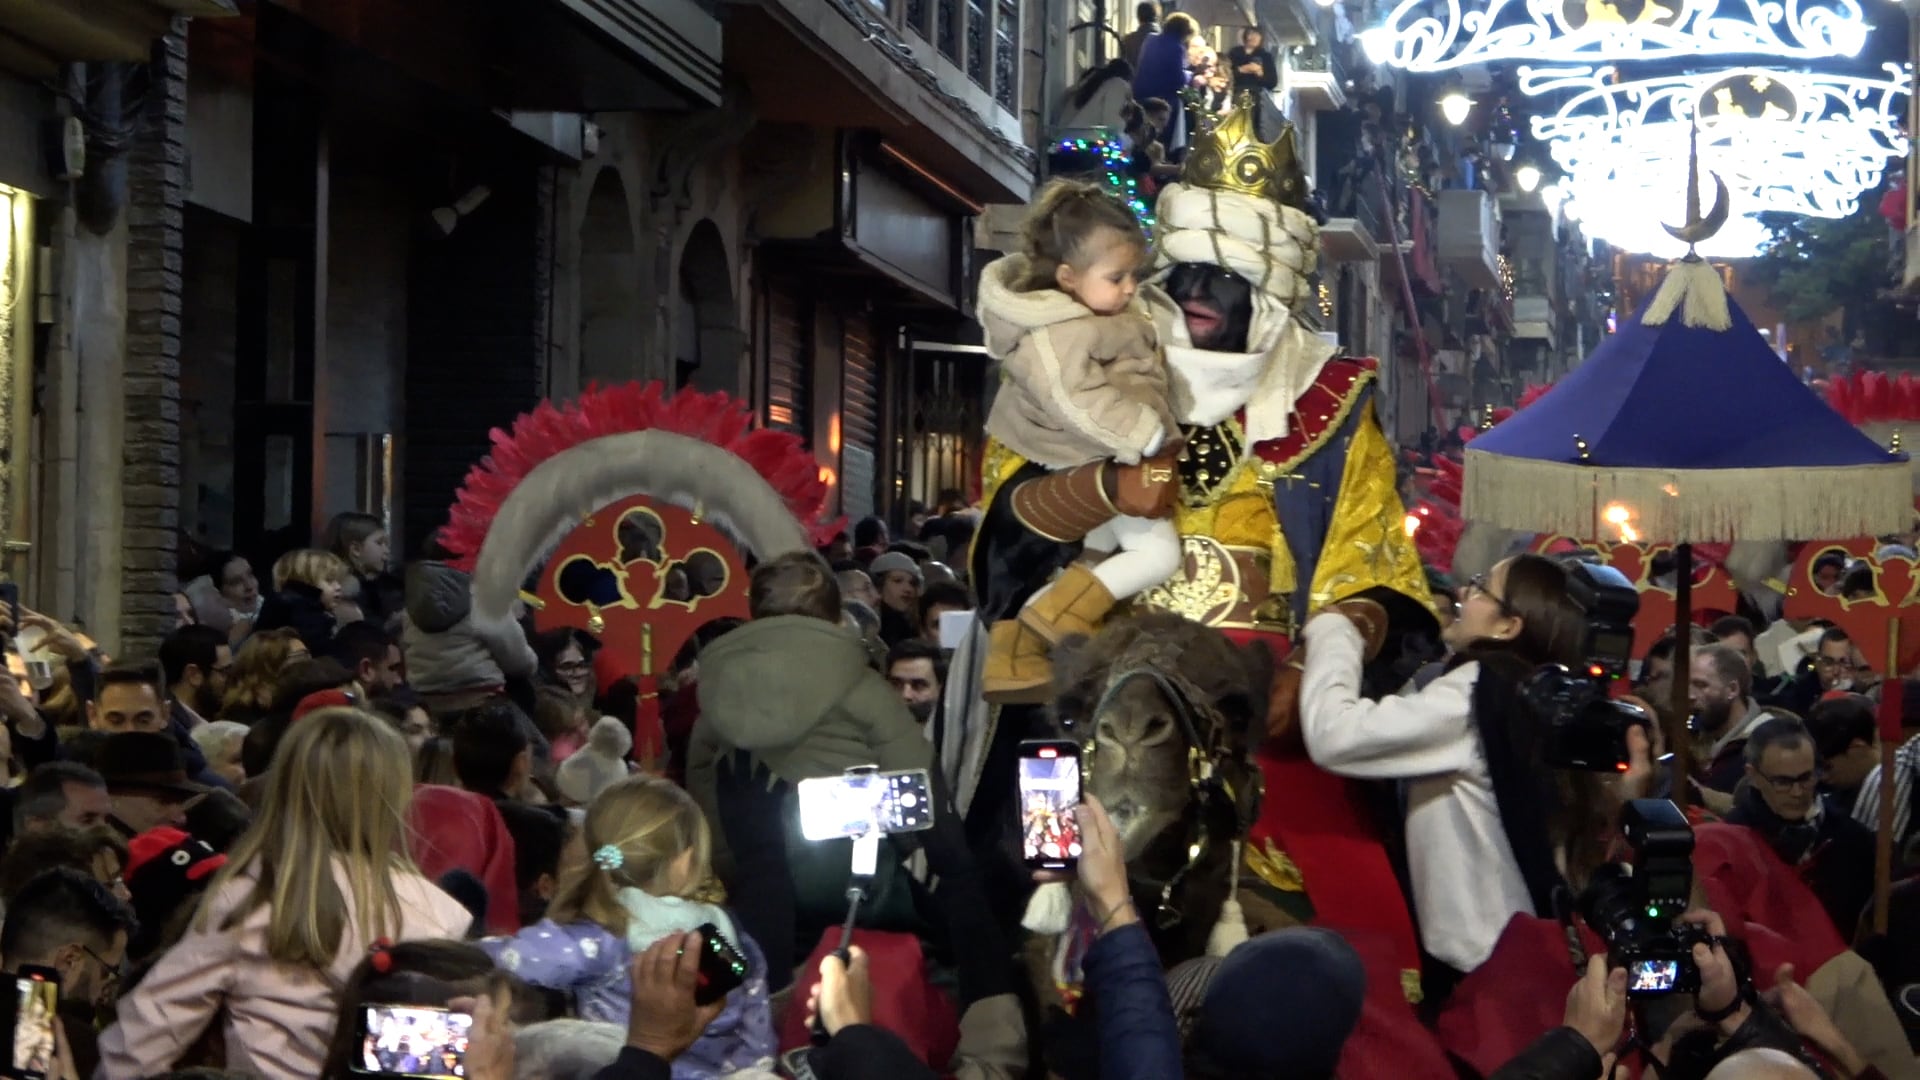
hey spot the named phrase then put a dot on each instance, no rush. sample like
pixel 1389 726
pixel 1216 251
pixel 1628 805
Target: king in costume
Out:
pixel 1285 500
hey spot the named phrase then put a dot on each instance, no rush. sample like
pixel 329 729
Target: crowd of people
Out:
pixel 339 794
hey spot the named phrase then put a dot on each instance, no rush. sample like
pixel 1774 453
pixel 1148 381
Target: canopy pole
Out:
pixel 1883 836
pixel 1679 737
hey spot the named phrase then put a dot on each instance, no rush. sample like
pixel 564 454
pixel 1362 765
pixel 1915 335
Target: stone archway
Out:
pixel 707 339
pixel 609 287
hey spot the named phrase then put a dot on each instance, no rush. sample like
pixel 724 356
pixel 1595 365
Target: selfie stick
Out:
pixel 866 860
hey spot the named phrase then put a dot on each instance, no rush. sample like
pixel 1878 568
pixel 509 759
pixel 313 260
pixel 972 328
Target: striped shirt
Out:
pixel 1866 809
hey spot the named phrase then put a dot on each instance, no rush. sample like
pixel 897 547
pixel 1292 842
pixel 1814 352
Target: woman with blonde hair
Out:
pixel 648 860
pixel 307 585
pixel 255 676
pixel 321 876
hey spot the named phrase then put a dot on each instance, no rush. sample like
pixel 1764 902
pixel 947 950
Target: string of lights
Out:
pixel 1419 38
pixel 1792 141
pixel 1099 153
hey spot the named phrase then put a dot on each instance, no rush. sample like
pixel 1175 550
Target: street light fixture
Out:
pixel 1455 106
pixel 1528 177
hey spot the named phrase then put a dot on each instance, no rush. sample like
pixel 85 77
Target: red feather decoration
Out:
pixel 550 429
pixel 1533 393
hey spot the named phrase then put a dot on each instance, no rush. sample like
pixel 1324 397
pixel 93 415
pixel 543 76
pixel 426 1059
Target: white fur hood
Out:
pixel 1007 314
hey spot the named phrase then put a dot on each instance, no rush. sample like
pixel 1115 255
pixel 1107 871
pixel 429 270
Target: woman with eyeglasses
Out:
pixel 1490 832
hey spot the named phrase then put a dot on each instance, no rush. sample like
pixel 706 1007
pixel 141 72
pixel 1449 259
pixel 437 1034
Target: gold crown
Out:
pixel 1231 157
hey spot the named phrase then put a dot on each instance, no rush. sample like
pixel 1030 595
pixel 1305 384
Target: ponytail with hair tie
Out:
pixel 380 956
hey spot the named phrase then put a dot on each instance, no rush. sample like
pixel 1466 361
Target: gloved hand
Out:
pixel 1283 703
pixel 1149 489
pixel 1370 618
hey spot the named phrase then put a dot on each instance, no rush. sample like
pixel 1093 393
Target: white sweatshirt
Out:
pixel 1466 882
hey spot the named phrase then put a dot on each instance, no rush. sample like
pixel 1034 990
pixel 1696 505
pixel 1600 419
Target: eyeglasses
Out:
pixel 573 667
pixel 1478 584
pixel 1833 661
pixel 1787 784
pixel 111 972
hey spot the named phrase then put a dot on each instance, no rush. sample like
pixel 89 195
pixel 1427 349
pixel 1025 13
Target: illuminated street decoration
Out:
pixel 1783 141
pixel 1590 31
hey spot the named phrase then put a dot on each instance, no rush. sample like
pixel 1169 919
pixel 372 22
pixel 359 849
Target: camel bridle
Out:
pixel 1208 790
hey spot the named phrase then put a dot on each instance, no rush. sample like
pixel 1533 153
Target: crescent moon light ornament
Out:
pixel 1698 228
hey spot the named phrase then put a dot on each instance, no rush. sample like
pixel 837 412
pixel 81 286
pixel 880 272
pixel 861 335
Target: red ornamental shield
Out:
pixel 1714 593
pixel 1867 620
pixel 642 575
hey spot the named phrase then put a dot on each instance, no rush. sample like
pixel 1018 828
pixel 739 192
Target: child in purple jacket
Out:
pixel 647 851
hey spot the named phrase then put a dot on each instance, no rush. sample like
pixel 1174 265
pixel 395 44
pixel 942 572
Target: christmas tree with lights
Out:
pixel 1102 156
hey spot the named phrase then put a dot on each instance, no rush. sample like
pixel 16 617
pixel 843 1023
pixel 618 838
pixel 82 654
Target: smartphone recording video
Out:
pixel 1049 795
pixel 413 1040
pixel 863 803
pixel 36 1003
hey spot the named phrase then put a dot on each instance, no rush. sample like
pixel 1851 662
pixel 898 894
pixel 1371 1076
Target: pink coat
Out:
pixel 278 1018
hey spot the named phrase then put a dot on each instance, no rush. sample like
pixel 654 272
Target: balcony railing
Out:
pixel 1318 74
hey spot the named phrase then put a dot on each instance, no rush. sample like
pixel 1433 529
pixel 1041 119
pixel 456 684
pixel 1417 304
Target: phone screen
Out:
pixel 833 807
pixel 1653 976
pixel 36 1003
pixel 413 1040
pixel 1049 794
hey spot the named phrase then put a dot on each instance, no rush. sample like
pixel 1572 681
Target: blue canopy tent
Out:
pixel 1697 429
pixel 1687 420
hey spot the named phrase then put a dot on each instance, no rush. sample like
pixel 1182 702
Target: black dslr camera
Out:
pixel 1586 729
pixel 1633 906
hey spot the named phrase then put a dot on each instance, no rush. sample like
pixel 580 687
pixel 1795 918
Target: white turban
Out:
pixel 1274 247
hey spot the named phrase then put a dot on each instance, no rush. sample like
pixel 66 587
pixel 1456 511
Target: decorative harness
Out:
pixel 1208 790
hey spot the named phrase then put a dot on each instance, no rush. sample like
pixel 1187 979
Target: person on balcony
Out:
pixel 1254 68
pixel 1162 73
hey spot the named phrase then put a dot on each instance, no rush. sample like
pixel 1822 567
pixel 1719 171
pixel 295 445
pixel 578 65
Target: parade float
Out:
pixel 636 513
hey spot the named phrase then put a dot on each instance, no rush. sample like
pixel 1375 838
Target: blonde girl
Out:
pixel 307 585
pixel 321 876
pixel 1083 380
pixel 256 673
pixel 648 852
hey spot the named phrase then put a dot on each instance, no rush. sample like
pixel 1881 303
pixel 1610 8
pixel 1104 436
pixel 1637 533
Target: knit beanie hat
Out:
pixel 1281 1005
pixel 892 561
pixel 598 765
pixel 165 869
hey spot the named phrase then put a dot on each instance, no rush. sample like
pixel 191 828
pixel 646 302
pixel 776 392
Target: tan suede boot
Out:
pixel 1077 603
pixel 1018 671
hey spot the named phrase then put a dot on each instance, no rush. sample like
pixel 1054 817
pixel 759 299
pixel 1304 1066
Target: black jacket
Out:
pixel 1560 1054
pixel 1834 857
pixel 300 607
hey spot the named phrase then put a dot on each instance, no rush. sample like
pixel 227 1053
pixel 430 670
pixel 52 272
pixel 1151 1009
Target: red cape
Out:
pixel 1521 991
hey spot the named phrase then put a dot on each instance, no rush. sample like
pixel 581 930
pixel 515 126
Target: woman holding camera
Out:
pixel 1489 832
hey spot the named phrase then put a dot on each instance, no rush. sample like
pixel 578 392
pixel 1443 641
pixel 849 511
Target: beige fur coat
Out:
pixel 1075 386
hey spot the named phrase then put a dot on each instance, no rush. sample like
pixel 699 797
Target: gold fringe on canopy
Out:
pixel 1692 287
pixel 1672 506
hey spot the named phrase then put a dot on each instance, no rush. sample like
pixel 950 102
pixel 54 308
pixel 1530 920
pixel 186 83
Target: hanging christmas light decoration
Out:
pixel 1787 142
pixel 1417 38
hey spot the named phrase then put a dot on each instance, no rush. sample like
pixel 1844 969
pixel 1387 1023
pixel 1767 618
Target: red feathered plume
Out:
pixel 1501 415
pixel 1438 533
pixel 1533 393
pixel 550 429
pixel 1874 398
